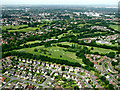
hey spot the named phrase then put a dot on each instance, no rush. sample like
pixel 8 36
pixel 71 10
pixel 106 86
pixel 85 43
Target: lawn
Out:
pixel 102 50
pixel 97 22
pixel 98 32
pixel 24 30
pixel 96 49
pixel 13 27
pixel 81 25
pixel 115 27
pixel 62 35
pixel 31 42
pixel 68 33
pixel 55 52
pixel 17 28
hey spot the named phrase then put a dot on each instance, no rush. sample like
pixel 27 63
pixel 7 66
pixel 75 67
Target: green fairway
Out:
pixel 102 50
pixel 24 30
pixel 96 49
pixel 97 22
pixel 98 32
pixel 81 25
pixel 13 27
pixel 31 42
pixel 56 52
pixel 19 28
pixel 62 35
pixel 115 27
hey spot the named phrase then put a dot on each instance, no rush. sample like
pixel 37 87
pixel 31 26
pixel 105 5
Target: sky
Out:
pixel 60 2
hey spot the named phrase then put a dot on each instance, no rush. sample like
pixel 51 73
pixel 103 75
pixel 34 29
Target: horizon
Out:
pixel 61 5
pixel 61 2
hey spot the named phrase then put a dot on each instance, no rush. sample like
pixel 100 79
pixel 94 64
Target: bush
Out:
pixel 36 50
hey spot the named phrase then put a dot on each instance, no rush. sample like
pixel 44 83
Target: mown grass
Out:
pixel 115 27
pixel 81 25
pixel 13 27
pixel 96 49
pixel 24 30
pixel 54 52
pixel 19 28
pixel 62 35
pixel 31 42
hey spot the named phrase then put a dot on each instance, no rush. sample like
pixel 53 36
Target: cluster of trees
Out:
pixel 90 34
pixel 15 44
pixel 65 46
pixel 111 54
pixel 94 44
pixel 40 57
pixel 33 24
pixel 80 51
pixel 114 63
pixel 9 48
pixel 108 86
pixel 86 61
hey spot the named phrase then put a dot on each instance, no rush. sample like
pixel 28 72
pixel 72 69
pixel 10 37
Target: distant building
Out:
pixel 103 42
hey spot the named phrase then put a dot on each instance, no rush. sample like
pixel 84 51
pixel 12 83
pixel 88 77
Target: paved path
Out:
pixel 6 84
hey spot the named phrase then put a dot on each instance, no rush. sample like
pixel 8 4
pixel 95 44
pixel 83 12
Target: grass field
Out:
pixel 102 50
pixel 62 35
pixel 98 32
pixel 97 22
pixel 31 42
pixel 115 27
pixel 24 30
pixel 81 25
pixel 13 27
pixel 55 52
pixel 17 28
pixel 96 49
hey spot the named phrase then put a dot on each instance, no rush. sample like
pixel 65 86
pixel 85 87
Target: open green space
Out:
pixel 115 27
pixel 20 28
pixel 102 50
pixel 54 52
pixel 24 30
pixel 13 27
pixel 97 22
pixel 98 32
pixel 31 42
pixel 96 49
pixel 62 35
pixel 81 25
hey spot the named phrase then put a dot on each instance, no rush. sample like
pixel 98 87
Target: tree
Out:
pixel 60 55
pixel 36 30
pixel 111 54
pixel 63 68
pixel 76 88
pixel 35 50
pixel 3 70
pixel 111 87
pixel 92 48
pixel 103 78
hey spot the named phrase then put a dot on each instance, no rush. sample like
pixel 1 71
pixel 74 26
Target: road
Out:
pixel 48 78
pixel 30 82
